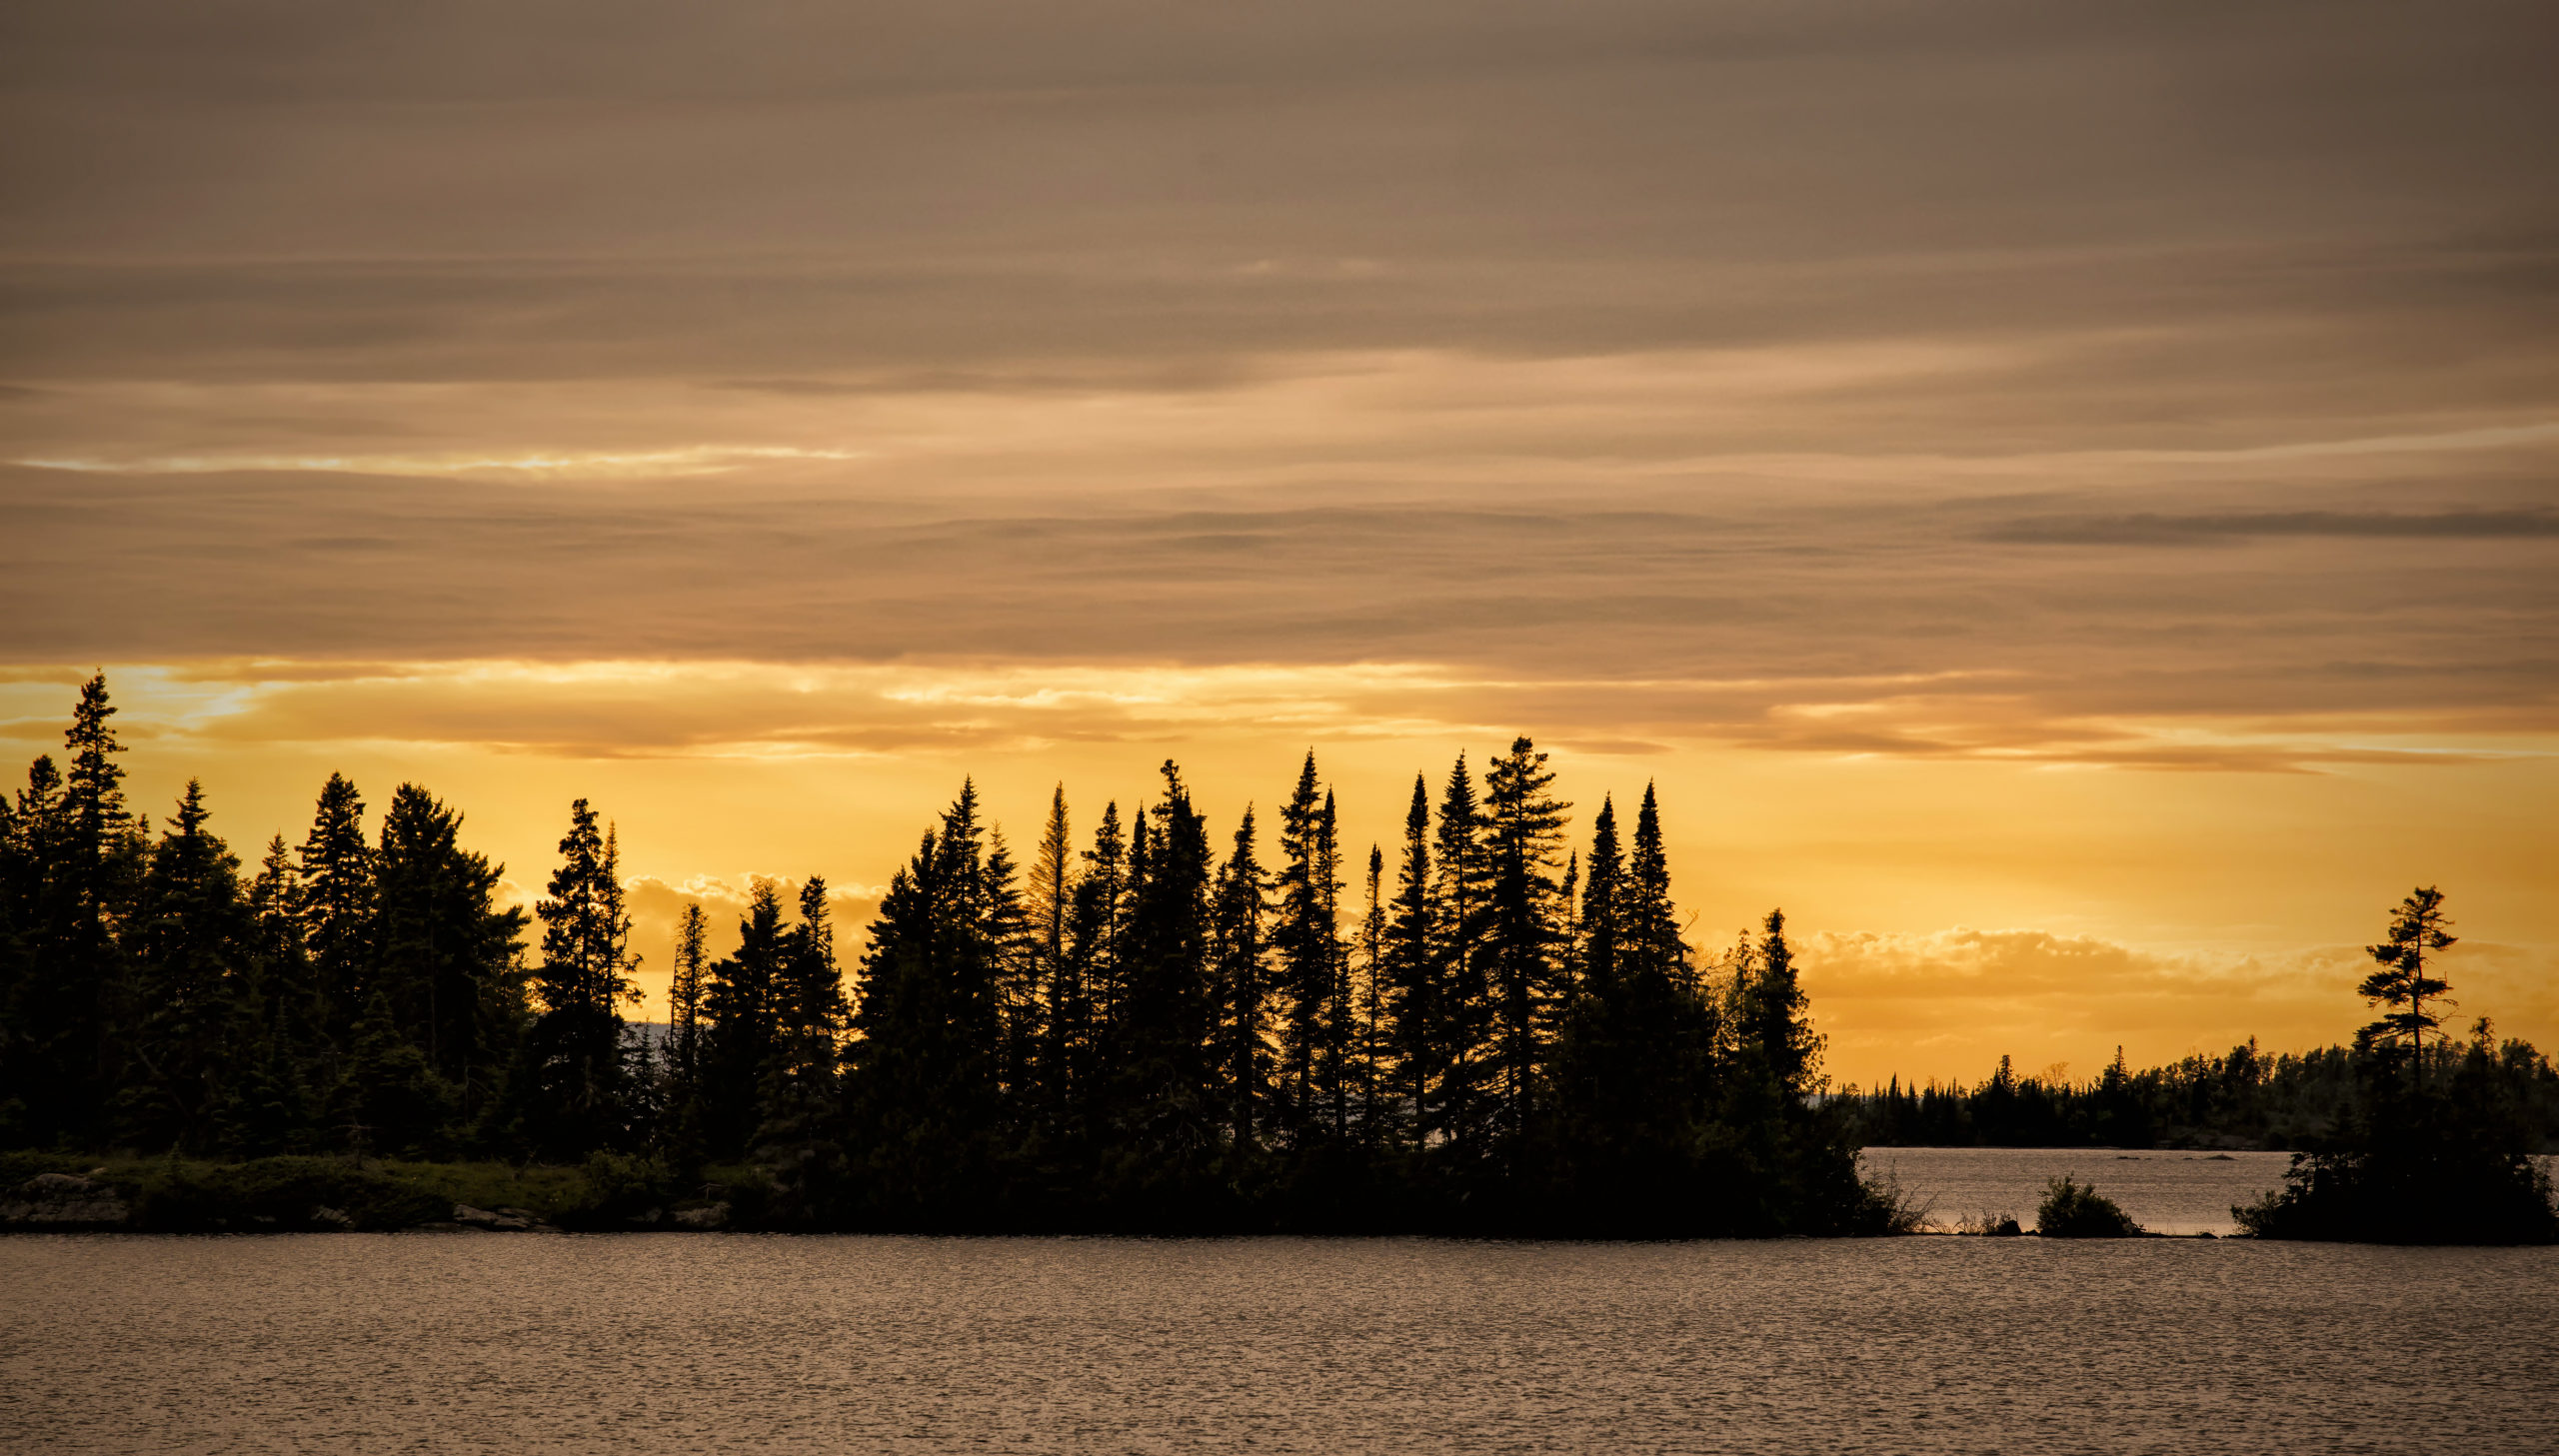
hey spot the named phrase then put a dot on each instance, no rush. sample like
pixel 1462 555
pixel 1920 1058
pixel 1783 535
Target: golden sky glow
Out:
pixel 2060 498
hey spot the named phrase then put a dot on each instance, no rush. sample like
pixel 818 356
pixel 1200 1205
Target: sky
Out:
pixel 2063 499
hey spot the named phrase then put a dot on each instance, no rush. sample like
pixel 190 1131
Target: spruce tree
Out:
pixel 1049 911
pixel 742 1039
pixel 1523 833
pixel 64 1040
pixel 1302 941
pixel 1241 977
pixel 1463 992
pixel 190 946
pixel 581 1093
pixel 334 899
pixel 799 1135
pixel 1163 1092
pixel 445 950
pixel 926 1085
pixel 1412 967
pixel 1377 1122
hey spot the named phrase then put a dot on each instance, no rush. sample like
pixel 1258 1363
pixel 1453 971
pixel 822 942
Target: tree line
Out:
pixel 1149 1026
pixel 2245 1098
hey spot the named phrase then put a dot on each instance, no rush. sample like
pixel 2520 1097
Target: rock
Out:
pixel 503 1220
pixel 324 1216
pixel 715 1215
pixel 63 1200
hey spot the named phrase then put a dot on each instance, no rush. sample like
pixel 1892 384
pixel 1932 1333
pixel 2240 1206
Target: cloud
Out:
pixel 2156 530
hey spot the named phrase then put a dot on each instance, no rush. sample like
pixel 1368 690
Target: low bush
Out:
pixel 2072 1209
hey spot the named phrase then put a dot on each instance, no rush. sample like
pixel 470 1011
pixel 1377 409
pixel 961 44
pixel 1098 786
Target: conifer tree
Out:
pixel 1049 910
pixel 1524 831
pixel 1339 1027
pixel 581 1093
pixel 685 990
pixel 926 1089
pixel 267 1106
pixel 63 1042
pixel 1376 1126
pixel 1777 1041
pixel 1463 992
pixel 741 1039
pixel 1241 986
pixel 1165 1093
pixel 1412 965
pixel 1085 996
pixel 334 898
pixel 802 1093
pixel 2418 930
pixel 190 945
pixel 444 951
pixel 1651 928
pixel 1303 940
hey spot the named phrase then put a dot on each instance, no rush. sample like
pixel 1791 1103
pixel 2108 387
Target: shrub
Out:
pixel 2077 1210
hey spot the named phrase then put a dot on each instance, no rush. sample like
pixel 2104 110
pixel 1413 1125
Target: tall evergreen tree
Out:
pixel 1165 1098
pixel 1463 1001
pixel 582 1092
pixel 1049 911
pixel 189 948
pixel 1376 1123
pixel 63 1034
pixel 926 1089
pixel 1240 976
pixel 335 901
pixel 1523 833
pixel 2418 930
pixel 1412 965
pixel 445 950
pixel 740 1041
pixel 1303 940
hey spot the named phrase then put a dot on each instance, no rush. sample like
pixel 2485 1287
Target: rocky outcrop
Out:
pixel 63 1202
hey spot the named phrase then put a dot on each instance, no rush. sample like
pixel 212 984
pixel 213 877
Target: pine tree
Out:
pixel 267 1106
pixel 444 951
pixel 1463 991
pixel 685 990
pixel 1085 1001
pixel 64 1032
pixel 1524 831
pixel 798 1137
pixel 1412 967
pixel 334 899
pixel 926 1088
pixel 1651 928
pixel 2418 930
pixel 1240 985
pixel 1164 1094
pixel 1048 908
pixel 1340 1028
pixel 1776 1038
pixel 741 1039
pixel 190 945
pixel 1377 1122
pixel 584 1100
pixel 1302 941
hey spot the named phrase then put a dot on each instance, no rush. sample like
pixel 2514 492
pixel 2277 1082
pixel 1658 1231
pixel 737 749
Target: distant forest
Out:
pixel 2245 1099
pixel 1149 1028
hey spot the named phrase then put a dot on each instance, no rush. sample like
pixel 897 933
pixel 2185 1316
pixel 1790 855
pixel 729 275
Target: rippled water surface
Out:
pixel 360 1343
pixel 2165 1192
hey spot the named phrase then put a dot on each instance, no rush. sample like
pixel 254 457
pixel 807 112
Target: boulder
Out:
pixel 503 1220
pixel 715 1215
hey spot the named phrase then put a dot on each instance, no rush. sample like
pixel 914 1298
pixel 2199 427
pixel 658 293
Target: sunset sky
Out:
pixel 2061 498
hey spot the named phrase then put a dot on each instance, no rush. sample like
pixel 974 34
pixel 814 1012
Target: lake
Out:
pixel 2165 1192
pixel 638 1342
